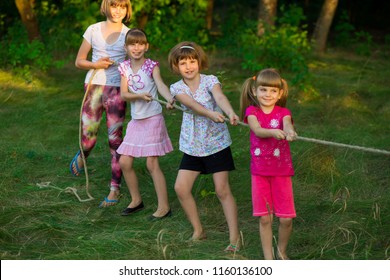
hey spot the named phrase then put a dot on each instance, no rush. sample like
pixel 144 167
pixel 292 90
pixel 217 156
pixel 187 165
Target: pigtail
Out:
pixel 248 96
pixel 283 99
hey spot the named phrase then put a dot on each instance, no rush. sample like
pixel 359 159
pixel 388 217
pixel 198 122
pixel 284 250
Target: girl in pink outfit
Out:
pixel 263 98
pixel 146 134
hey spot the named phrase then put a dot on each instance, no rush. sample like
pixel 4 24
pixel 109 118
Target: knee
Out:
pixel 181 190
pixel 265 221
pixel 115 137
pixel 152 164
pixel 124 162
pixel 285 222
pixel 222 192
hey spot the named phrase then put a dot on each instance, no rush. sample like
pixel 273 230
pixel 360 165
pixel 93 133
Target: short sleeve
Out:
pixel 88 34
pixel 250 110
pixel 175 89
pixel 211 81
pixel 123 66
pixel 285 112
pixel 148 66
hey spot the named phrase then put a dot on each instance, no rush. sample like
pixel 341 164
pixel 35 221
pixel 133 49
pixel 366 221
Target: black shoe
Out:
pixel 154 218
pixel 129 211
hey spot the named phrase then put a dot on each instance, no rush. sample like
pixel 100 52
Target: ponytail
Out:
pixel 283 99
pixel 248 96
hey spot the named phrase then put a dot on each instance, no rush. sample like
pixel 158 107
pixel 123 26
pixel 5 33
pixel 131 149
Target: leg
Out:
pixel 126 163
pixel 262 203
pixel 266 236
pixel 225 196
pixel 284 209
pixel 115 109
pixel 160 186
pixel 91 115
pixel 285 229
pixel 183 188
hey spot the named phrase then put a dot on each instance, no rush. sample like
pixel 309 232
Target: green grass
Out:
pixel 342 195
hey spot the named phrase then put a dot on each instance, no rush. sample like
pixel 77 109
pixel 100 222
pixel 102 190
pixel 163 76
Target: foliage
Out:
pixel 24 56
pixel 63 27
pixel 346 35
pixel 171 22
pixel 284 47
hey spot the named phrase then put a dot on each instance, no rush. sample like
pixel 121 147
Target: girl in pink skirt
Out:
pixel 146 134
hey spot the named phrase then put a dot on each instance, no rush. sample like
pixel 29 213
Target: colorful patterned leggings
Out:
pixel 104 98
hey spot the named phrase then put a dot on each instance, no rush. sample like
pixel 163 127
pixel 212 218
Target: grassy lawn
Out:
pixel 342 195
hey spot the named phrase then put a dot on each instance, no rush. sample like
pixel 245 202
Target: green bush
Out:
pixel 19 53
pixel 172 24
pixel 346 35
pixel 283 47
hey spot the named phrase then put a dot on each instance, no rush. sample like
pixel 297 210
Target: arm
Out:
pixel 288 128
pixel 82 61
pixel 162 88
pixel 128 95
pixel 255 126
pixel 198 109
pixel 224 103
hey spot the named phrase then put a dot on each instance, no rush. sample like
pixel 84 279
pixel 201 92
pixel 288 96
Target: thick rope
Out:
pixel 80 136
pixel 365 149
pixel 74 190
pixel 306 139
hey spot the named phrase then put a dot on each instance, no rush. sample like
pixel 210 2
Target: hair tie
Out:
pixel 187 47
pixel 254 78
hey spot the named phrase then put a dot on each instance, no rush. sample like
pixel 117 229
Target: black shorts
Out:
pixel 220 161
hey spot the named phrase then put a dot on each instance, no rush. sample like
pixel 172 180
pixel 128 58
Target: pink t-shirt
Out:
pixel 269 156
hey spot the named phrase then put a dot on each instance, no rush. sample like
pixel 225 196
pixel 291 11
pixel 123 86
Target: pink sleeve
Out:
pixel 250 110
pixel 122 67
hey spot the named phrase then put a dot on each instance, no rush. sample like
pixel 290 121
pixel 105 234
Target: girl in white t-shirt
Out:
pixel 146 134
pixel 102 86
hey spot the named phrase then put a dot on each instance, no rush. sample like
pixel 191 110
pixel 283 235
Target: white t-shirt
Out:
pixel 100 48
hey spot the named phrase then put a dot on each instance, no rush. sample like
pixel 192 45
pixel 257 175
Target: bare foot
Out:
pixel 283 257
pixel 198 236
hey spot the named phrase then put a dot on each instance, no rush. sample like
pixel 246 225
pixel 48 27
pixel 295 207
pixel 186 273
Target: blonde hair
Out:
pixel 268 78
pixel 134 36
pixel 106 4
pixel 186 50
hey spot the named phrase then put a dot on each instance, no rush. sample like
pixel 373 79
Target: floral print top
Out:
pixel 269 156
pixel 200 136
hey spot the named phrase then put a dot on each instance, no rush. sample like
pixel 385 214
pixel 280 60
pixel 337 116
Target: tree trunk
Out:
pixel 209 16
pixel 143 20
pixel 320 35
pixel 26 11
pixel 267 15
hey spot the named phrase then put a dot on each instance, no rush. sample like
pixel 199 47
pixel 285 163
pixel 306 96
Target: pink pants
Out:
pixel 273 195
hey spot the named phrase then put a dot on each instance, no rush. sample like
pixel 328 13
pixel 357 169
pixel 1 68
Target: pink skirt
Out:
pixel 146 137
